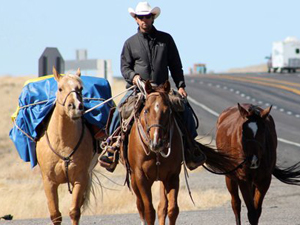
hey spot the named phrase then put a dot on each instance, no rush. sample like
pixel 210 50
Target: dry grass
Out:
pixel 262 68
pixel 21 190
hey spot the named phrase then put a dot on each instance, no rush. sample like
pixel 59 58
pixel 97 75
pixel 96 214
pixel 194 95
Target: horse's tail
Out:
pixel 290 175
pixel 92 184
pixel 218 162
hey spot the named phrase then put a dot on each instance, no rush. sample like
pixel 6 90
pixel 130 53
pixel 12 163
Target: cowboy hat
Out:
pixel 143 8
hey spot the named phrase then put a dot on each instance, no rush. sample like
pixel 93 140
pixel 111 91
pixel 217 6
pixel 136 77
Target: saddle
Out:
pixel 130 108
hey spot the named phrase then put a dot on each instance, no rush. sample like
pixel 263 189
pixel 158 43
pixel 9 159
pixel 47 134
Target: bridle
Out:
pixel 144 134
pixel 78 93
pixel 67 159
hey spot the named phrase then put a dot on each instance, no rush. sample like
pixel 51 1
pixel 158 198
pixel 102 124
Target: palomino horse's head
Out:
pixel 254 133
pixel 69 94
pixel 156 116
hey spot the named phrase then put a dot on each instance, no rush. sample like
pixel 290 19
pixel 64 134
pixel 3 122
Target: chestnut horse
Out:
pixel 65 151
pixel 248 132
pixel 156 152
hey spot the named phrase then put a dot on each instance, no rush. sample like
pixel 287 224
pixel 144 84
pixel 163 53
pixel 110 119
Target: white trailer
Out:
pixel 285 56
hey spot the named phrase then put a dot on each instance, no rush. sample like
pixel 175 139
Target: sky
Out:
pixel 222 34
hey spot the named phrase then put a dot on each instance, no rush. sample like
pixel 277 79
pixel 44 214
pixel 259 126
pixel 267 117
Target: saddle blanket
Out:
pixel 37 100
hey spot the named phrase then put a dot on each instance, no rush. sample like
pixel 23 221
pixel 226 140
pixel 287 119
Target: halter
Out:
pixel 78 93
pixel 254 158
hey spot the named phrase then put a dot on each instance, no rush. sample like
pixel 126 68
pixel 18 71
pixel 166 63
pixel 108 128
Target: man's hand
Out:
pixel 182 92
pixel 135 79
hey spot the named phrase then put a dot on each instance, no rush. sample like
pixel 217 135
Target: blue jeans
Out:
pixel 187 117
pixel 116 119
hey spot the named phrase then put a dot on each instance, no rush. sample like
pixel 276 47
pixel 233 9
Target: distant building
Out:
pixel 49 58
pixel 199 68
pixel 93 67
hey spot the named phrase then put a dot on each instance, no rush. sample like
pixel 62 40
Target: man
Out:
pixel 148 55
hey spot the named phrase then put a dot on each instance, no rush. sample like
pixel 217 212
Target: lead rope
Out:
pixel 109 99
pixel 186 175
pixel 67 159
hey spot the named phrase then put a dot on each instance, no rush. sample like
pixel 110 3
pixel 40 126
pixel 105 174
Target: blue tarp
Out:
pixel 37 99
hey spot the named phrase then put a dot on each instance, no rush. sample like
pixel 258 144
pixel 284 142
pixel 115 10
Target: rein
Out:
pixel 67 159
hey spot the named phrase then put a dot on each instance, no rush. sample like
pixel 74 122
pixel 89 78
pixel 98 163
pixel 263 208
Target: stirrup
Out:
pixel 109 162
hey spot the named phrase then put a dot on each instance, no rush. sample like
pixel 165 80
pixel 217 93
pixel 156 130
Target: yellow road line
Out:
pixel 276 81
pixel 293 90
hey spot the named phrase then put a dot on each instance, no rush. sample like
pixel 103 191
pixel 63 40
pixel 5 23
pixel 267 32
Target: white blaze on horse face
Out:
pixel 155 137
pixel 253 127
pixel 156 107
pixel 76 101
pixel 254 162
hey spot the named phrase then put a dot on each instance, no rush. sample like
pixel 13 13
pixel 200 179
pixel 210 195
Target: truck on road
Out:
pixel 285 56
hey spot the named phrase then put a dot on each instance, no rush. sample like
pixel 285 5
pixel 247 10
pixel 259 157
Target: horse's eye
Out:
pixel 60 89
pixel 146 111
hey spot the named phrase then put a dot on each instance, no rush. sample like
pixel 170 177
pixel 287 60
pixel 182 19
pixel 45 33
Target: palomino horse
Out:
pixel 248 132
pixel 155 153
pixel 65 150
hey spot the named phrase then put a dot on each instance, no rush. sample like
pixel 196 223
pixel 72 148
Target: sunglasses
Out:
pixel 144 16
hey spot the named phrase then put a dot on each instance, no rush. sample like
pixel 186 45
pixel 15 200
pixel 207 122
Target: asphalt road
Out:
pixel 214 93
pixel 217 92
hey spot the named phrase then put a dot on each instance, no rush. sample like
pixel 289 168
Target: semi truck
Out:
pixel 285 56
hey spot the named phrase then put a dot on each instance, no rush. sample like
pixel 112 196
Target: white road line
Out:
pixel 203 106
pixel 288 142
pixel 217 114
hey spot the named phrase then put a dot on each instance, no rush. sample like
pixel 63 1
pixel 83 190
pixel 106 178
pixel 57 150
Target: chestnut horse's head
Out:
pixel 156 115
pixel 254 133
pixel 69 94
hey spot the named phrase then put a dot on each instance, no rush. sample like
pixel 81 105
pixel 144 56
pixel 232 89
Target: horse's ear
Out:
pixel 78 73
pixel 265 113
pixel 57 76
pixel 167 86
pixel 244 113
pixel 148 87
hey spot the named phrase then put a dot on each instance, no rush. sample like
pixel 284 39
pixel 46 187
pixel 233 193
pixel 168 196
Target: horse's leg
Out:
pixel 139 201
pixel 247 192
pixel 52 198
pixel 163 205
pixel 260 192
pixel 232 187
pixel 78 194
pixel 172 189
pixel 144 190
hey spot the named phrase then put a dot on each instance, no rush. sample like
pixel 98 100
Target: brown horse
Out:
pixel 65 150
pixel 156 152
pixel 248 132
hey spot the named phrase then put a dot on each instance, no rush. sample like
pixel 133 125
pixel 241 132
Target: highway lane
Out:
pixel 211 94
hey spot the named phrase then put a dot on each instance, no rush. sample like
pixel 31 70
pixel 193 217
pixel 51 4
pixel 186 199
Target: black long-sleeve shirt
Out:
pixel 150 56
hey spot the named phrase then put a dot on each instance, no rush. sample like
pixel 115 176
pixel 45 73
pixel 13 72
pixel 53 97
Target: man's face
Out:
pixel 145 22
